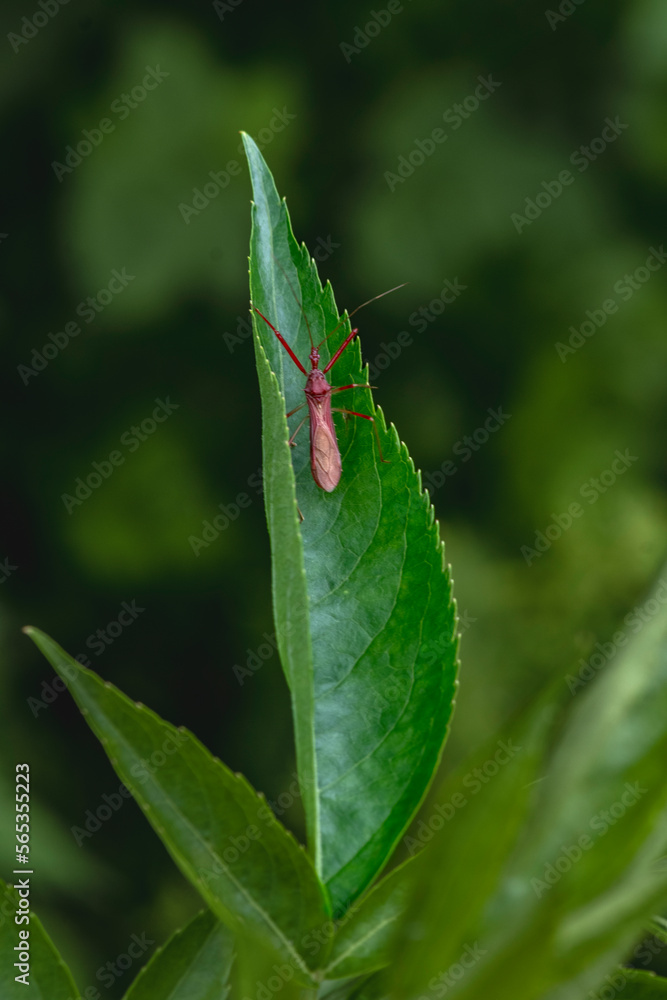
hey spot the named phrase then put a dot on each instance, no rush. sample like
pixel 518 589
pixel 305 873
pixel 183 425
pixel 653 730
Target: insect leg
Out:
pixel 353 413
pixel 291 440
pixel 339 351
pixel 354 385
pixel 283 342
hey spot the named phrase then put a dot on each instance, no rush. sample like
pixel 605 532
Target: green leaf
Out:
pixel 194 964
pixel 366 988
pixel 572 889
pixel 658 927
pixel 470 826
pixel 257 975
pixel 49 978
pixel 634 984
pixel 221 834
pixel 363 942
pixel 364 616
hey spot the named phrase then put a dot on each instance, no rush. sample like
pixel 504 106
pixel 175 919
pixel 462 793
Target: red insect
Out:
pixel 325 460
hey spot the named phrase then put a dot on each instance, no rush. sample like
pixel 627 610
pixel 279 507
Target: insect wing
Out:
pixel 324 458
pixel 325 461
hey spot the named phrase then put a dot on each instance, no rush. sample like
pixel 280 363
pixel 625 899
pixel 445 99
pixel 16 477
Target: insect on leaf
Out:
pixel 364 616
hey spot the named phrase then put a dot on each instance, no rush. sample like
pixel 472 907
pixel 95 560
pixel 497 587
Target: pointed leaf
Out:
pixel 362 599
pixel 634 984
pixel 194 964
pixel 223 837
pixel 48 977
pixel 364 941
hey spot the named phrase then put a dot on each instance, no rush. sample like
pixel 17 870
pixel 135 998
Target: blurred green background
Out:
pixel 344 101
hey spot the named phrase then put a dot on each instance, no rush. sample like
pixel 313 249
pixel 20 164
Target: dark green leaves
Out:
pixel 362 599
pixel 221 834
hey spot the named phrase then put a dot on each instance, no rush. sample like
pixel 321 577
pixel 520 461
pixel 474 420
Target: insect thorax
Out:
pixel 317 384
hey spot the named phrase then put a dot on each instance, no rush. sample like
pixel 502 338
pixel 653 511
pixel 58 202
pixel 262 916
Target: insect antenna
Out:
pixel 348 315
pixel 380 296
pixel 345 315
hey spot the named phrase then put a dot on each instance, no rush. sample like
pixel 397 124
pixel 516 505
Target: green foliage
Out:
pixel 633 984
pixel 221 834
pixel 539 863
pixel 365 937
